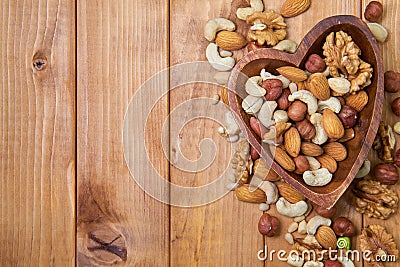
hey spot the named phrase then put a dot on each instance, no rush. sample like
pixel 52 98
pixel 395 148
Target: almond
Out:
pixel 244 194
pixel 224 95
pixel 292 73
pixel 336 150
pixel 230 40
pixel 318 85
pixel 328 162
pixel 332 124
pixel 293 8
pixel 357 101
pixel 348 135
pixel 292 142
pixel 289 193
pixel 311 149
pixel 283 158
pixel 326 237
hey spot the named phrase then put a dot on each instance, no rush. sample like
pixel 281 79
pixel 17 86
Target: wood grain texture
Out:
pixel 120 45
pixel 391 56
pixel 37 135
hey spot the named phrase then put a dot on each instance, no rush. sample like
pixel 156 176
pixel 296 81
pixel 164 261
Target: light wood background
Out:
pixel 68 70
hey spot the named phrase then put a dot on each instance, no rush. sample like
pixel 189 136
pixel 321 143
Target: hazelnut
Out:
pixel 386 173
pixel 306 129
pixel 253 46
pixel 397 158
pixel 315 64
pixel 257 127
pixel 325 212
pixel 396 106
pixel 283 101
pixel 254 154
pixel 302 164
pixel 373 11
pixel 273 88
pixel 268 225
pixel 343 227
pixel 348 116
pixel 392 81
pixel 332 263
pixel 297 111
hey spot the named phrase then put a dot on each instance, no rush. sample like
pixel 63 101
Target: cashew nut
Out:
pixel 233 138
pixel 314 163
pixel 302 227
pixel 265 114
pixel 231 127
pixel 320 134
pixel 286 46
pixel 316 222
pixel 318 177
pixel 265 75
pixel 215 25
pixel 264 207
pixel 252 104
pixel 217 62
pixel 225 53
pixel 311 241
pixel 346 262
pixel 364 170
pixel 313 264
pixel 332 103
pixel 253 86
pixel 299 218
pixel 280 116
pixel 339 85
pixel 306 97
pixel 289 238
pixel 271 191
pixel 286 208
pixel 295 260
pixel 292 87
pixel 222 77
pixel 275 134
pixel 285 81
pixel 255 5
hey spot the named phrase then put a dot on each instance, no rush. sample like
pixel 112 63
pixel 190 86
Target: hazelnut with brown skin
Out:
pixel 332 263
pixel 254 154
pixel 315 64
pixel 392 81
pixel 283 101
pixel 306 129
pixel 297 111
pixel 396 106
pixel 273 88
pixel 268 225
pixel 343 227
pixel 373 11
pixel 348 116
pixel 386 173
pixel 302 164
pixel 325 212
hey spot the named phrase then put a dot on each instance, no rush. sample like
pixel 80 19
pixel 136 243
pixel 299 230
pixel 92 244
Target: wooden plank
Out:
pixel 391 57
pixel 120 45
pixel 37 133
pixel 224 232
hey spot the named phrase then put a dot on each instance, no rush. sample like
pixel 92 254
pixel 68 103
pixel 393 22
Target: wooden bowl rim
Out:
pixel 329 199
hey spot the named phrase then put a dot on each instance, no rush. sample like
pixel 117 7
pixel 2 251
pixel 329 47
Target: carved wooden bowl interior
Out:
pixel 369 118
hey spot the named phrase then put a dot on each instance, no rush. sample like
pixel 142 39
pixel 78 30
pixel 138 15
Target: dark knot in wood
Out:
pixel 108 246
pixel 39 64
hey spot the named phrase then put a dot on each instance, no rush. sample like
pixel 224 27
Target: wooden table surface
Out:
pixel 69 69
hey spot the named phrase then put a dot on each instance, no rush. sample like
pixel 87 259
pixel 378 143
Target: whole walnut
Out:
pixel 297 111
pixel 392 81
pixel 386 173
pixel 315 64
pixel 273 88
pixel 268 225
pixel 306 129
pixel 283 101
pixel 373 11
pixel 348 116
pixel 343 227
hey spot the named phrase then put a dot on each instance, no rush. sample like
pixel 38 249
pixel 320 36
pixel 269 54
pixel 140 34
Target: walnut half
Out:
pixel 385 142
pixel 375 199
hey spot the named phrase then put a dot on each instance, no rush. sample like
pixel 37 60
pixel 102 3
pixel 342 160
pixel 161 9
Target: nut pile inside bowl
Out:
pixel 306 116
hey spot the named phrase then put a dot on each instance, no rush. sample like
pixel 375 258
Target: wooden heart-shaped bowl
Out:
pixel 369 118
